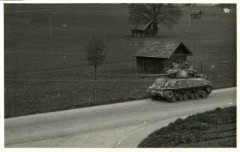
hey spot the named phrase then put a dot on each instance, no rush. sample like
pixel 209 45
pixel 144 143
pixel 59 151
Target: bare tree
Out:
pixel 164 14
pixel 95 54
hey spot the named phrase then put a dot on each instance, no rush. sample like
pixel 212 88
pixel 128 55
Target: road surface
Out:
pixel 116 125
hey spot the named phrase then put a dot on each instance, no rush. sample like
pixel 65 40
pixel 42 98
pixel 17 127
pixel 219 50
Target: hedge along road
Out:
pixel 117 125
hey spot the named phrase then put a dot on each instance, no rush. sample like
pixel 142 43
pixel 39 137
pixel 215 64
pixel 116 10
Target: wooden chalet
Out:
pixel 158 56
pixel 144 30
pixel 196 14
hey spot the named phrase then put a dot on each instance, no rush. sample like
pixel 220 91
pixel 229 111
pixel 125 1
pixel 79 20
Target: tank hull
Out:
pixel 179 89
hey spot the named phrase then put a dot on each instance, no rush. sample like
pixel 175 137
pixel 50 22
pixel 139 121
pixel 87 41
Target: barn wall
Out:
pixel 149 31
pixel 181 50
pixel 151 65
pixel 158 65
pixel 178 58
pixel 161 65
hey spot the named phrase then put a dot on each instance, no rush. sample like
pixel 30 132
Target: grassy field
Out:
pixel 44 73
pixel 215 128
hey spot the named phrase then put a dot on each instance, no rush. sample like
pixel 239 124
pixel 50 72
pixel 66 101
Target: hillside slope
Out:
pixel 46 73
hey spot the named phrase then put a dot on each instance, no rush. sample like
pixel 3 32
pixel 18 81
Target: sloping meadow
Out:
pixel 46 69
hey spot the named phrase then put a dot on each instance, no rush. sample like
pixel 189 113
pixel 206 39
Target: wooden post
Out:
pixel 50 25
pixel 95 83
pixel 189 20
pixel 137 68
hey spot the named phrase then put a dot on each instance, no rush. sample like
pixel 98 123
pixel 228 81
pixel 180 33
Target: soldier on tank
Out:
pixel 185 65
pixel 191 71
pixel 175 65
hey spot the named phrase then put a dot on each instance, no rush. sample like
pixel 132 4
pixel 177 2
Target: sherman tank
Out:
pixel 179 84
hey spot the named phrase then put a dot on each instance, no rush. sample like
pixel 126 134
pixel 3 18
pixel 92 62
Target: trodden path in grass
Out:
pixel 117 125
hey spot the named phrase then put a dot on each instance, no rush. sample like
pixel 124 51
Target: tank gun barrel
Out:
pixel 153 75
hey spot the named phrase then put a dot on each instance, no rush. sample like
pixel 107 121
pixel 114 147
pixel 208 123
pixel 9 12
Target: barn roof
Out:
pixel 160 49
pixel 143 26
pixel 196 12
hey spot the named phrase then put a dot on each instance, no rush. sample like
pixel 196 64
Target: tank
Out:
pixel 178 84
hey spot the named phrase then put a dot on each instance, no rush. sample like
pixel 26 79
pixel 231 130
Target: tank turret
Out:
pixel 176 73
pixel 179 83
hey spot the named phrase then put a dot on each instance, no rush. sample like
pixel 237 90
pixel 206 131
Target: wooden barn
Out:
pixel 196 14
pixel 144 30
pixel 158 56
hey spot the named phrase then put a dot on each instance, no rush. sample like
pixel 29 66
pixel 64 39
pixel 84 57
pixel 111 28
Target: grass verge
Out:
pixel 215 128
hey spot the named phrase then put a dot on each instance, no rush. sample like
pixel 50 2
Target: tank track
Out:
pixel 174 95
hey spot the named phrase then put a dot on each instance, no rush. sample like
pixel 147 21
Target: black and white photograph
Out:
pixel 120 75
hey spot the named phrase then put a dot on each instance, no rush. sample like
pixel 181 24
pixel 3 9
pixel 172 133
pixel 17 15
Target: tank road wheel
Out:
pixel 185 96
pixel 173 99
pixel 180 97
pixel 208 90
pixel 168 94
pixel 204 94
pixel 192 96
pixel 197 95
